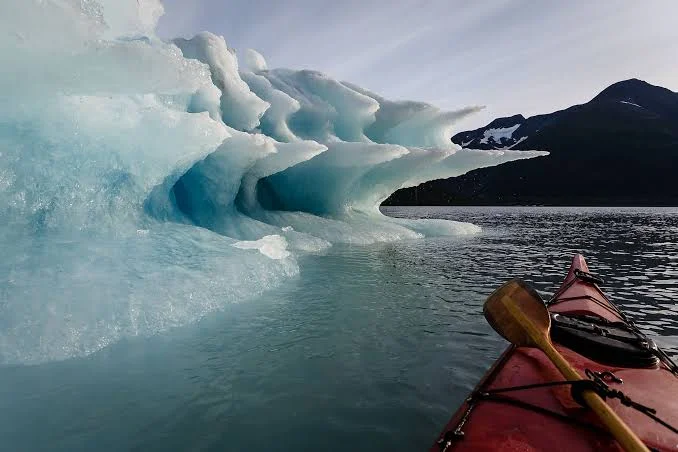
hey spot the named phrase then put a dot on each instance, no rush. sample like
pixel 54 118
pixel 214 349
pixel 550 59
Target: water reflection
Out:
pixel 371 348
pixel 635 250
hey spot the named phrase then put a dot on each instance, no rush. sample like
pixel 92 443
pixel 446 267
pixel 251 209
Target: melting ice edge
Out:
pixel 145 183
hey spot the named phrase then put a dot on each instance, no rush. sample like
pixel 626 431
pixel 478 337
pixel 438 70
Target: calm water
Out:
pixel 375 357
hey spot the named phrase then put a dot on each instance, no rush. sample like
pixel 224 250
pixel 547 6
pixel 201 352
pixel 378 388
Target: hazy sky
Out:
pixel 513 56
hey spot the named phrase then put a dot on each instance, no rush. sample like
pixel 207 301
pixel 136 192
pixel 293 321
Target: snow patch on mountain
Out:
pixel 520 140
pixel 498 135
pixel 629 103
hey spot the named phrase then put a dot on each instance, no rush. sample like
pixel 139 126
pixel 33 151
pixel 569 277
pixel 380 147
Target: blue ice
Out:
pixel 147 183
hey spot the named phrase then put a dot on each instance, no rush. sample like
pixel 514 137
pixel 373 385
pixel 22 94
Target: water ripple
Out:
pixel 370 349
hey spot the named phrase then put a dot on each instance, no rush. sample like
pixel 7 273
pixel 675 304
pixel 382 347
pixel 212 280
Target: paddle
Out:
pixel 517 312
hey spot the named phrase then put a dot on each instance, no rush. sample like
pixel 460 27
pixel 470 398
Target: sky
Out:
pixel 511 56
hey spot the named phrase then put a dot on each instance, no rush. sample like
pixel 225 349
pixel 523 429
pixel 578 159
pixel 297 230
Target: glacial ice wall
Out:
pixel 146 183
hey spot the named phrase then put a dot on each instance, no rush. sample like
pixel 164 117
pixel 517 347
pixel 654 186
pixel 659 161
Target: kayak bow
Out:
pixel 523 403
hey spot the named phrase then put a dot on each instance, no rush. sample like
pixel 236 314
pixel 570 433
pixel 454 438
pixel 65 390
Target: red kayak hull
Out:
pixel 492 426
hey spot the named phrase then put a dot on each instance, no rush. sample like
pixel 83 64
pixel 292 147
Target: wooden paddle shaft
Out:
pixel 617 427
pixel 528 323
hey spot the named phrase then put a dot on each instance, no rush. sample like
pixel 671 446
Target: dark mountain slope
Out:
pixel 621 148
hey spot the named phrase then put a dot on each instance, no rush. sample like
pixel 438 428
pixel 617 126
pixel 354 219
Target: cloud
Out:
pixel 514 56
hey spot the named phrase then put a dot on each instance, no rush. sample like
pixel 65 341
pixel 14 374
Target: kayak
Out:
pixel 523 403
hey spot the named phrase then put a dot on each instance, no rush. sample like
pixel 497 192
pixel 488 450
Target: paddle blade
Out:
pixel 516 311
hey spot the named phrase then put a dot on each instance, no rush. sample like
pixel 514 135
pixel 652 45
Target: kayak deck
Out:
pixel 548 418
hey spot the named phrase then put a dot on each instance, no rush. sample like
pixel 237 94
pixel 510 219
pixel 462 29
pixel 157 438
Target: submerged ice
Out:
pixel 145 183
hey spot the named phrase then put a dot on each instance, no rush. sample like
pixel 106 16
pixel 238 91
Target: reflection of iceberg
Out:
pixel 106 131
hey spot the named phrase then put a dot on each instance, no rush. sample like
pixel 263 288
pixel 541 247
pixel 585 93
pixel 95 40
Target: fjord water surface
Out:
pixel 370 348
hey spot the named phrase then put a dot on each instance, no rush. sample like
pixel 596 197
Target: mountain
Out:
pixel 621 148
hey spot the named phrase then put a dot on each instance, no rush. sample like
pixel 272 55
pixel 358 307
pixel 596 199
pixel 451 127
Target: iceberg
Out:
pixel 146 183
